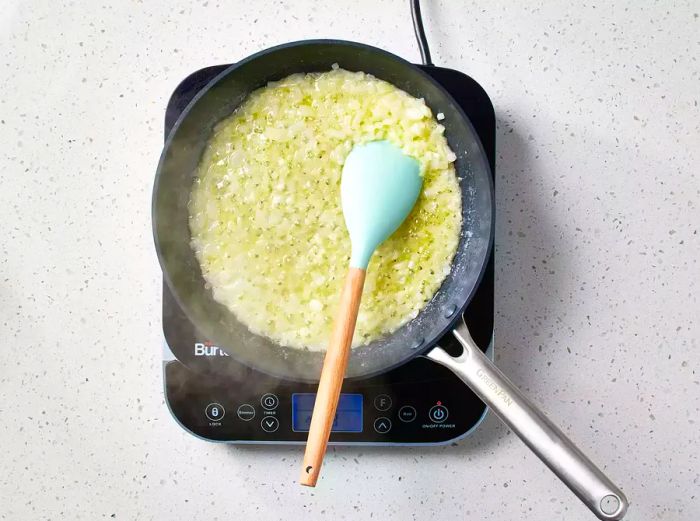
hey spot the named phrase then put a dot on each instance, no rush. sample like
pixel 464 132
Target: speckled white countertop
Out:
pixel 597 273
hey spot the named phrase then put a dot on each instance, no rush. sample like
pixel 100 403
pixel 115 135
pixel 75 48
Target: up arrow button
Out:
pixel 382 425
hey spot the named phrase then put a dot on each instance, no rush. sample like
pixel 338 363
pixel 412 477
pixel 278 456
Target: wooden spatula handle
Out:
pixel 332 375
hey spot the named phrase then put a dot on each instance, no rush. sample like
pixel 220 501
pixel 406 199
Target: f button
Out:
pixel 382 402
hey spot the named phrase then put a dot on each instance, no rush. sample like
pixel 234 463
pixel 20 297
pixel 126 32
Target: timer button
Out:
pixel 438 413
pixel 269 401
pixel 382 402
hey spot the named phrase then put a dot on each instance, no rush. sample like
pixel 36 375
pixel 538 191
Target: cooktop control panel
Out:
pixel 421 402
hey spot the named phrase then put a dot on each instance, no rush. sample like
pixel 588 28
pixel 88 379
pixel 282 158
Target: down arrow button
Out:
pixel 270 424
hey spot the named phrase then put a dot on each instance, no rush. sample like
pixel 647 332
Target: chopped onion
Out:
pixel 265 216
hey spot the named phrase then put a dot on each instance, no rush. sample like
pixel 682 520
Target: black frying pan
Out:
pixel 178 163
pixel 182 153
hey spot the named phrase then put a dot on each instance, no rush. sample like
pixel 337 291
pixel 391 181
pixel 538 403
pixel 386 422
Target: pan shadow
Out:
pixel 530 273
pixel 521 212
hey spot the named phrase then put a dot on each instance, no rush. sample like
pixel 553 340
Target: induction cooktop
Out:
pixel 216 398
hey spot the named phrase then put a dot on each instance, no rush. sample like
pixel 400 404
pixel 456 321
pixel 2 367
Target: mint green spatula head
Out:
pixel 378 189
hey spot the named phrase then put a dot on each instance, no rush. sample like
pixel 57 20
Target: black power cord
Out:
pixel 420 33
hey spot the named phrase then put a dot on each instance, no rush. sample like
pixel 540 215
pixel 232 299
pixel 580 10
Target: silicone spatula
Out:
pixel 378 189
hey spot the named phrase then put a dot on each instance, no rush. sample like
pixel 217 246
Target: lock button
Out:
pixel 215 412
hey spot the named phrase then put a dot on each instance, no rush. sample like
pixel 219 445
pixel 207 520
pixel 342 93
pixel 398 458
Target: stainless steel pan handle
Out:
pixel 534 428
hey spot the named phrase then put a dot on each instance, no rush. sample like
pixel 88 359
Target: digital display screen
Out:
pixel 348 416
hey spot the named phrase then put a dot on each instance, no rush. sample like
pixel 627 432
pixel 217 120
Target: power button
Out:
pixel 438 413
